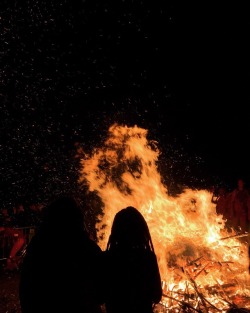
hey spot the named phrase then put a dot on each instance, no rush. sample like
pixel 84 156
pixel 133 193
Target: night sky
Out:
pixel 70 69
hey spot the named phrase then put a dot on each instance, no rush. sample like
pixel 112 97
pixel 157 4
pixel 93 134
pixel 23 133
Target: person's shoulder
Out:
pixel 247 192
pixel 93 245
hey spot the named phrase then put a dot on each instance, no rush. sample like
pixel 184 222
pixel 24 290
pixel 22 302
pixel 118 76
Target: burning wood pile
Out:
pixel 204 267
pixel 187 295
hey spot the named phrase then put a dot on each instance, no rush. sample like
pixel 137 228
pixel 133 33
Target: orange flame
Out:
pixel 186 231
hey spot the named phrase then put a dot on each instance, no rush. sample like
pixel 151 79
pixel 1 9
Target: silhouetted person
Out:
pixel 60 269
pixel 20 216
pixel 222 199
pixel 133 279
pixel 239 206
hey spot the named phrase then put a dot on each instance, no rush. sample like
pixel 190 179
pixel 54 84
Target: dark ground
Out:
pixel 9 301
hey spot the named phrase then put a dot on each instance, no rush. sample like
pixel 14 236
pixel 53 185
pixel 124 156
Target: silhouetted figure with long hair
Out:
pixel 60 269
pixel 133 278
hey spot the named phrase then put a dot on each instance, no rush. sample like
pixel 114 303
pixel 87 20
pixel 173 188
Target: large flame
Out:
pixel 194 250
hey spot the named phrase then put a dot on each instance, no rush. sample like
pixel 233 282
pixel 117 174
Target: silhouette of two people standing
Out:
pixel 66 271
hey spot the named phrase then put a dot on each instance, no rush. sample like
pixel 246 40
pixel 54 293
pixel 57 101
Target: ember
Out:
pixel 204 268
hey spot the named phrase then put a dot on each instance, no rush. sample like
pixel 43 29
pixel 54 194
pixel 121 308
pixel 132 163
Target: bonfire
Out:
pixel 204 267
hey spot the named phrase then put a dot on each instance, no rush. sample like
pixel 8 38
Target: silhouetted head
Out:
pixel 63 214
pixel 129 230
pixel 240 183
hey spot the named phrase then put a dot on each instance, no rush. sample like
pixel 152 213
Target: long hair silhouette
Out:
pixel 130 230
pixel 132 275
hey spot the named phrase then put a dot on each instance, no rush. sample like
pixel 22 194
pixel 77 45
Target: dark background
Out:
pixel 70 69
